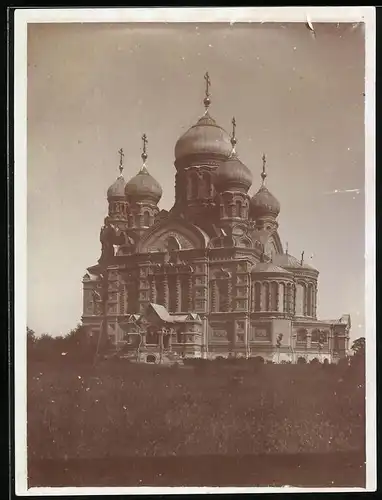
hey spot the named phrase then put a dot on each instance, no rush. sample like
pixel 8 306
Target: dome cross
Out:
pixel 263 173
pixel 207 100
pixel 233 136
pixel 121 155
pixel 302 258
pixel 144 149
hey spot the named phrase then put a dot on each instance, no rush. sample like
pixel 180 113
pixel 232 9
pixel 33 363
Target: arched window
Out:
pixel 184 294
pixel 282 305
pixel 172 244
pixel 274 294
pixel 238 209
pixel 151 337
pixel 159 292
pixel 314 301
pixel 132 296
pixel 207 185
pixel 301 336
pixel 194 186
pixel 309 300
pixel 146 219
pixel 257 296
pixel 172 294
pixel 266 297
pixel 300 296
pixel 289 298
pixel 223 299
pixel 317 336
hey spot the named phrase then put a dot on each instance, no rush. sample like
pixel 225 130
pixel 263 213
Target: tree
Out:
pixel 31 341
pixel 31 336
pixel 358 346
pixel 358 360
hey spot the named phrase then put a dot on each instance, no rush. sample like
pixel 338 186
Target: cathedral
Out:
pixel 209 278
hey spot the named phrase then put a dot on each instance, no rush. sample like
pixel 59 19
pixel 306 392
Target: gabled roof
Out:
pixel 134 317
pixel 167 317
pixel 161 312
pixel 179 318
pixel 194 316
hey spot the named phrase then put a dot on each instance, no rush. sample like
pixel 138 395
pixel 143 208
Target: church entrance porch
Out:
pixel 156 336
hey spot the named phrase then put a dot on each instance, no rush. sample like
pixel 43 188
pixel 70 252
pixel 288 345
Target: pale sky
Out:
pixel 94 88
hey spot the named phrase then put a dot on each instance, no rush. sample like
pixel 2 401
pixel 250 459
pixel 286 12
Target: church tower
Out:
pixel 117 204
pixel 232 181
pixel 143 194
pixel 198 153
pixel 264 207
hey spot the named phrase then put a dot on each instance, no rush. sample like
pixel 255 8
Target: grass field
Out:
pixel 120 410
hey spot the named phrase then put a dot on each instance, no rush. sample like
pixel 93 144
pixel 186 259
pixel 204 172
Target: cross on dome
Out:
pixel 302 257
pixel 263 173
pixel 207 100
pixel 121 155
pixel 233 137
pixel 144 150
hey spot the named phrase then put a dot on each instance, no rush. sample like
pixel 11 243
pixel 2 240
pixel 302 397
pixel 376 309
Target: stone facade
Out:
pixel 209 278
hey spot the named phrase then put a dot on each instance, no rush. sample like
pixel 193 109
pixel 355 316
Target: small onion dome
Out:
pixel 264 203
pixel 117 189
pixel 205 137
pixel 269 268
pixel 143 187
pixel 232 174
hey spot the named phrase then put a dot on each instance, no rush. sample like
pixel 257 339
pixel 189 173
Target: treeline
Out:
pixel 76 345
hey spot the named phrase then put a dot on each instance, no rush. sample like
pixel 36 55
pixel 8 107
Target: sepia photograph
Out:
pixel 199 308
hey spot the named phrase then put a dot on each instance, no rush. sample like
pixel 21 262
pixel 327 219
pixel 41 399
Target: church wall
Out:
pixel 237 331
pixel 88 304
pixel 284 327
pixel 260 338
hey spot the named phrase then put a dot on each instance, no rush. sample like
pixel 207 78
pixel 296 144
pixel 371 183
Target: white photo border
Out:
pixel 231 15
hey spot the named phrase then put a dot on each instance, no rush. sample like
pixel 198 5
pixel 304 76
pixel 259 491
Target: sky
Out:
pixel 96 88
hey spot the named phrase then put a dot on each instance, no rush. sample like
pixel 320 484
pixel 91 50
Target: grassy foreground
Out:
pixel 117 410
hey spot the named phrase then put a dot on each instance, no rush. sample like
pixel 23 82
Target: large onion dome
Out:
pixel 117 189
pixel 206 137
pixel 232 174
pixel 143 187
